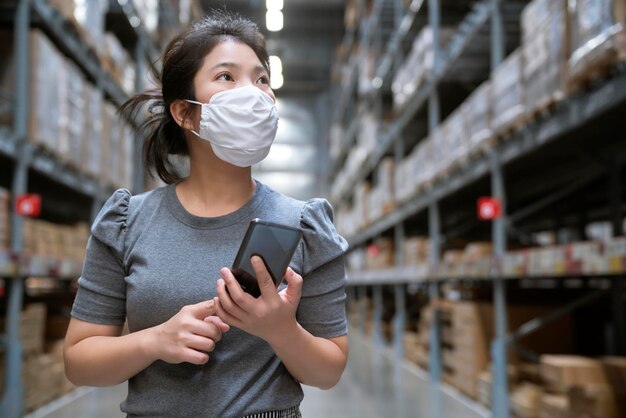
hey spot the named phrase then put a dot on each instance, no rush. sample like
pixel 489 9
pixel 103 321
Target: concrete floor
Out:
pixel 373 385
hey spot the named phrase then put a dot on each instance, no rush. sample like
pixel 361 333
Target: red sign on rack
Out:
pixel 489 208
pixel 28 205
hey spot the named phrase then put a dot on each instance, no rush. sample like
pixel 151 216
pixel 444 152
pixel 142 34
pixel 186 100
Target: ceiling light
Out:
pixel 277 81
pixel 276 64
pixel 274 4
pixel 274 20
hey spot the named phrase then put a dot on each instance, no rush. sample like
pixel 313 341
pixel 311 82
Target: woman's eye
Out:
pixel 264 80
pixel 225 77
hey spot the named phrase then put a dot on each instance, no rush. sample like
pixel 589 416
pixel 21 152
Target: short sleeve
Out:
pixel 322 307
pixel 101 296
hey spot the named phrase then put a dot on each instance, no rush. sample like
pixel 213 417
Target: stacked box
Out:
pixel 411 347
pixel 593 388
pixel 554 406
pixel 368 133
pixel 545 53
pixel 92 160
pixel 423 164
pixel 117 61
pixel 72 148
pixel 586 258
pixel 386 185
pixel 507 82
pixel 48 89
pixel 374 204
pixel 440 154
pixel 526 399
pixel 417 251
pixel 402 181
pixel 380 254
pixel 418 65
pixel 32 328
pixel 5 219
pixel 597 36
pixel 560 372
pixel 472 325
pixel 456 138
pixel 87 16
pixel 478 114
pixel 548 261
pixel 362 211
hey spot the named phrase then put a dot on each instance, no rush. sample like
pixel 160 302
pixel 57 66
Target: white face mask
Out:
pixel 240 124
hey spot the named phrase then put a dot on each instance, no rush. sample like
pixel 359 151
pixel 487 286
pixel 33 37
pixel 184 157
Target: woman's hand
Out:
pixel 189 335
pixel 272 315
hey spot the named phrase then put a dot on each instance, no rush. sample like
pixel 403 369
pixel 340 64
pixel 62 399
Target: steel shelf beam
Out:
pixel 570 115
pixel 7 144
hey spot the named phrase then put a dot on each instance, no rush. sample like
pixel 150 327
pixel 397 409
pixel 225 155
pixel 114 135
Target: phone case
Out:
pixel 274 243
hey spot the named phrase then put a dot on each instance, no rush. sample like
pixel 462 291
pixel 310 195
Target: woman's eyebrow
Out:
pixel 227 65
pixel 257 69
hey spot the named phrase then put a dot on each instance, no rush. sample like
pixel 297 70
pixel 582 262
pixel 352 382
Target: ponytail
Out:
pixel 162 135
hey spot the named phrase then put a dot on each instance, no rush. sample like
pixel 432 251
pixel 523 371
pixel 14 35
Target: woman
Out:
pixel 201 347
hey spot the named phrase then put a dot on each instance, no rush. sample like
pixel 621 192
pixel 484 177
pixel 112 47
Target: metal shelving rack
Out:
pixel 15 146
pixel 575 112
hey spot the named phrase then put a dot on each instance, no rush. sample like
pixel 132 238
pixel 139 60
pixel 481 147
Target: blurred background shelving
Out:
pixel 404 113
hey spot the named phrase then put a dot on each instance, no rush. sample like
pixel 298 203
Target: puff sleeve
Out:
pixel 101 296
pixel 322 307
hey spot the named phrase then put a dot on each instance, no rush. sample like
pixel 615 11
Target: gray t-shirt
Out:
pixel 148 257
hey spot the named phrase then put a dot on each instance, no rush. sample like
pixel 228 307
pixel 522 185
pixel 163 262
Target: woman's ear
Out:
pixel 181 114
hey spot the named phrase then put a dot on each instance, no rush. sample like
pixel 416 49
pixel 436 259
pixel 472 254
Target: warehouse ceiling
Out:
pixel 305 45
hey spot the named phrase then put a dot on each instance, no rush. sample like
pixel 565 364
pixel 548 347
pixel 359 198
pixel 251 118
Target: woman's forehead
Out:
pixel 234 54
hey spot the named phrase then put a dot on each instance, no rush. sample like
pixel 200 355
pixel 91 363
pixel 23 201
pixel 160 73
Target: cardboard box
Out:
pixel 525 400
pixel 32 328
pixel 597 401
pixel 563 371
pixel 597 36
pixel 554 406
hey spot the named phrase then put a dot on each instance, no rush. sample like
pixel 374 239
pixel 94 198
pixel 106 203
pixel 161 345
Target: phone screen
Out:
pixel 274 243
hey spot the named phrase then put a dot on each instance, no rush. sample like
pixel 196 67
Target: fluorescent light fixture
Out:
pixel 277 81
pixel 276 64
pixel 274 4
pixel 274 20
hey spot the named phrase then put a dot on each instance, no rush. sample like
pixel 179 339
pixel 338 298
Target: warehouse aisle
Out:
pixel 371 387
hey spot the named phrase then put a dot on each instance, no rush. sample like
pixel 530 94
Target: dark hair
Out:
pixel 182 59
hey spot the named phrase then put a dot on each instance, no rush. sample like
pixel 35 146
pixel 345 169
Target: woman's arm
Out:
pixel 96 355
pixel 311 360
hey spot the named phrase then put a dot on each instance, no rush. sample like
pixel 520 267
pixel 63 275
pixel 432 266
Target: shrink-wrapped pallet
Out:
pixel 508 104
pixel 477 110
pixel 92 161
pixel 48 90
pixel 545 53
pixel 418 65
pixel 72 147
pixel 456 138
pixel 597 36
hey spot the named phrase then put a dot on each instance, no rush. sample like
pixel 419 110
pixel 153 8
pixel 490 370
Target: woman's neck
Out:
pixel 215 188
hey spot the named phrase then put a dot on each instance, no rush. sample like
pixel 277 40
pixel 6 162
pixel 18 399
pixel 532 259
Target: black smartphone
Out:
pixel 274 244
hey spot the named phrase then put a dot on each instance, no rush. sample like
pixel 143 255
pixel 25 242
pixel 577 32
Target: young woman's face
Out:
pixel 230 65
